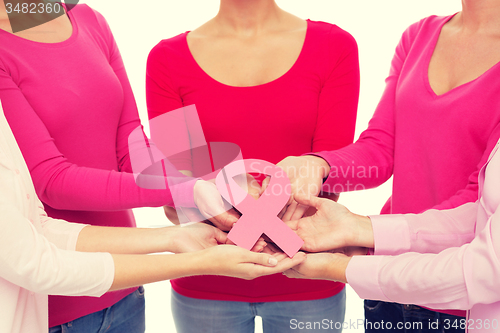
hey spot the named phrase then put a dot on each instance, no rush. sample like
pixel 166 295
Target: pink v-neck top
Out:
pixel 433 145
pixel 71 109
pixel 312 107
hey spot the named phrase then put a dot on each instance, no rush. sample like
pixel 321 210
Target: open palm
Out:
pixel 330 228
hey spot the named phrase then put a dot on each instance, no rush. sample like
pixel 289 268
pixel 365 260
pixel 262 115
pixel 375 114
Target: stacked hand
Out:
pixel 228 260
pixel 306 175
pixel 331 236
pixel 231 260
pixel 334 231
pixel 332 227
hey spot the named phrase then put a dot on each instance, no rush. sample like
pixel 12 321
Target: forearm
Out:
pixel 136 270
pixel 361 165
pixel 126 240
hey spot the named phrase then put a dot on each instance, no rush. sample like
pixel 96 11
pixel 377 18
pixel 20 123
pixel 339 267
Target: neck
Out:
pixel 481 15
pixel 248 17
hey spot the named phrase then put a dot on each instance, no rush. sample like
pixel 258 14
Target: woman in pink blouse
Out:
pixel 433 130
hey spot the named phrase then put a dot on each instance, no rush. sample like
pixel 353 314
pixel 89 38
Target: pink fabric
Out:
pixel 465 275
pixel 310 108
pixel 433 145
pixel 71 109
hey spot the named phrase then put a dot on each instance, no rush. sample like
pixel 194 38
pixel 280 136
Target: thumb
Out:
pixel 262 259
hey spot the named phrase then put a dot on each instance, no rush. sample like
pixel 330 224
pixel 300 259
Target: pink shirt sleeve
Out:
pixel 338 99
pixel 163 96
pixel 64 185
pixel 375 147
pixel 430 232
pixel 456 278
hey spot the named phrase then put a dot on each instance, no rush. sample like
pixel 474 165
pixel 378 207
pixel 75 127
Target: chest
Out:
pixel 53 31
pixel 70 88
pixel 466 109
pixel 458 60
pixel 245 62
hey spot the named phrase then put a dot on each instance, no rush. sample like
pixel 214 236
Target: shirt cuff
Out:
pixel 109 273
pixel 391 234
pixel 362 275
pixel 183 193
pixel 62 234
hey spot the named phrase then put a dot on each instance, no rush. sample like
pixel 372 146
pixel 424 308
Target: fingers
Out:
pixel 220 236
pixel 229 242
pixel 259 246
pixel 224 221
pixel 261 259
pixel 288 263
pixel 280 256
pixel 272 249
pixel 265 183
pixel 309 200
pixel 293 274
pixel 282 213
pixel 290 210
pixel 292 224
pixel 299 212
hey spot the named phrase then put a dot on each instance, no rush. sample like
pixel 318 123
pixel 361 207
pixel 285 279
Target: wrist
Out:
pixel 338 268
pixel 193 263
pixel 319 164
pixel 364 232
pixel 170 237
pixel 202 262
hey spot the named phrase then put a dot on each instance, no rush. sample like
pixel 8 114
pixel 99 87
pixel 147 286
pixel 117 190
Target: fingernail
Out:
pixel 273 261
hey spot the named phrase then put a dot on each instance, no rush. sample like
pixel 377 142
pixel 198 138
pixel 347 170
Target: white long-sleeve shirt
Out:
pixel 37 253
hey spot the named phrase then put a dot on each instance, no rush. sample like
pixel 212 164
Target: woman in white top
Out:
pixel 41 256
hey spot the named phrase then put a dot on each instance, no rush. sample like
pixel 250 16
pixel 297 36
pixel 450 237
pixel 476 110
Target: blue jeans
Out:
pixel 193 315
pixel 126 316
pixel 408 319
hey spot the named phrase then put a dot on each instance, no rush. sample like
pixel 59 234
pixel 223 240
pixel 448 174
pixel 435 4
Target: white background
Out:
pixel 377 27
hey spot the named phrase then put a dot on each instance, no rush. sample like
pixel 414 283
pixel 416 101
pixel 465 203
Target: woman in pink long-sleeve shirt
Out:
pixel 444 259
pixel 433 129
pixel 68 101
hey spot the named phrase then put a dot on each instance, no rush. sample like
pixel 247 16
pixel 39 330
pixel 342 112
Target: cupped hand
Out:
pixel 234 261
pixel 195 237
pixel 321 266
pixel 332 227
